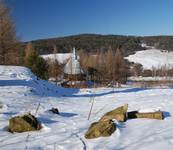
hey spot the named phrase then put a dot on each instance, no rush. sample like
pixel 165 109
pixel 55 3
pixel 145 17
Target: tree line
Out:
pixel 107 67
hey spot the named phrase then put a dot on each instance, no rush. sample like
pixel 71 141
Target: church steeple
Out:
pixel 74 54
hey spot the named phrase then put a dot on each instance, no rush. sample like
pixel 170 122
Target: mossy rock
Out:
pixel 100 129
pixel 119 114
pixel 24 123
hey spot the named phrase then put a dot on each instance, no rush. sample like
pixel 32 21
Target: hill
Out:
pixel 96 42
pixel 89 43
pixel 152 58
pixel 160 42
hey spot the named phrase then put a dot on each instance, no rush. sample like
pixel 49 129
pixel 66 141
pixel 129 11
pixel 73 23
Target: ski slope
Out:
pixel 152 58
pixel 21 92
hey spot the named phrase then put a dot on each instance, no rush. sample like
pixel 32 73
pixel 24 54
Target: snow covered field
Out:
pixel 152 58
pixel 21 92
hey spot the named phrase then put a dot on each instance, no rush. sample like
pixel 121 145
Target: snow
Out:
pixel 148 110
pixel 157 78
pixel 21 92
pixel 152 58
pixel 60 57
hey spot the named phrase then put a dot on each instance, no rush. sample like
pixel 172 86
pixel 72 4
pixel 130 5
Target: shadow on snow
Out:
pixel 129 90
pixel 46 89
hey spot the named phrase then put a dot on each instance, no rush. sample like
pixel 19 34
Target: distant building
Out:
pixel 71 62
pixel 72 68
pixel 73 65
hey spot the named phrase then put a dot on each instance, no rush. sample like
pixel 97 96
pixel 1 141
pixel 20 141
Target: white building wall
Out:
pixel 73 65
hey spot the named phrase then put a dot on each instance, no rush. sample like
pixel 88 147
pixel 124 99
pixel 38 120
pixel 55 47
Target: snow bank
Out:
pixel 22 76
pixel 15 73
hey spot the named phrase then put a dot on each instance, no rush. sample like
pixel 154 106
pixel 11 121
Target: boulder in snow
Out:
pixel 24 123
pixel 100 129
pixel 119 114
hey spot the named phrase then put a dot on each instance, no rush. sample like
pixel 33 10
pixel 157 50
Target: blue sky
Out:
pixel 37 19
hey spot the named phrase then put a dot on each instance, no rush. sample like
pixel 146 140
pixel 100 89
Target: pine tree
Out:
pixel 36 63
pixel 9 45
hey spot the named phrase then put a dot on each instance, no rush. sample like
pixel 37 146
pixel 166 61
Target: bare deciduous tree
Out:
pixel 28 51
pixel 9 45
pixel 109 66
pixel 55 68
pixel 120 67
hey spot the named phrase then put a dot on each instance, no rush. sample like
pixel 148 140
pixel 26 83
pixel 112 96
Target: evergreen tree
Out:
pixel 36 63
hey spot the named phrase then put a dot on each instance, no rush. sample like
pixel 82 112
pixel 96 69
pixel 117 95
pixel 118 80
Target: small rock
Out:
pixel 55 110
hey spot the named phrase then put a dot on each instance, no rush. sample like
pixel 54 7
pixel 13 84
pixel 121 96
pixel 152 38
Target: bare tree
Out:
pixel 107 66
pixel 120 68
pixel 110 64
pixel 9 45
pixel 55 68
pixel 136 69
pixel 28 51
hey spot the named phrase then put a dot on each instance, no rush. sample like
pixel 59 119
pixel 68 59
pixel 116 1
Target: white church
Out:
pixel 71 62
pixel 72 67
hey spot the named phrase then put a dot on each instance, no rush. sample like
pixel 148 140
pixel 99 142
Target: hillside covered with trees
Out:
pixel 96 42
pixel 89 43
pixel 160 42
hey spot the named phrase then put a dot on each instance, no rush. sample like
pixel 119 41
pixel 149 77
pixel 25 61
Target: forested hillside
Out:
pixel 95 42
pixel 160 42
pixel 89 43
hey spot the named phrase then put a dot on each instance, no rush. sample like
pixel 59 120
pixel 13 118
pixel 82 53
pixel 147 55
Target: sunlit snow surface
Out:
pixel 21 92
pixel 152 58
pixel 60 57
